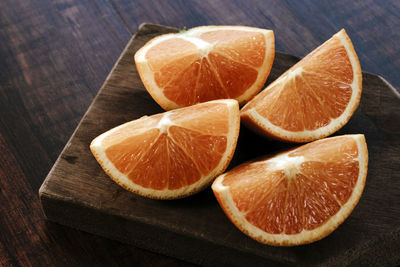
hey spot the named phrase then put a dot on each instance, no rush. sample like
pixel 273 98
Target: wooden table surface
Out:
pixel 55 55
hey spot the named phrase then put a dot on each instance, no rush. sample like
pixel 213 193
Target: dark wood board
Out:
pixel 78 193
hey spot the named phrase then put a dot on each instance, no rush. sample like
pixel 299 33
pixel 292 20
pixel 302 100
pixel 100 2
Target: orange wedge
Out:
pixel 313 99
pixel 206 63
pixel 299 196
pixel 173 154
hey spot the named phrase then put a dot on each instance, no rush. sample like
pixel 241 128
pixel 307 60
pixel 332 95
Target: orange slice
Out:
pixel 311 100
pixel 296 197
pixel 173 154
pixel 206 63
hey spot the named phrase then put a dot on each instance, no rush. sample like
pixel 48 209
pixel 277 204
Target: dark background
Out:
pixel 55 55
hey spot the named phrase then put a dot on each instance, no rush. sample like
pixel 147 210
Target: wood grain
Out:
pixel 78 193
pixel 55 55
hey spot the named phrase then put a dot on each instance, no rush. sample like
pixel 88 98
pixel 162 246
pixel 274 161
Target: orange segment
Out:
pixel 134 128
pixel 294 211
pixel 334 55
pixel 236 77
pixel 170 73
pixel 168 51
pixel 200 120
pixel 159 169
pixel 206 63
pixel 283 114
pixel 267 214
pixel 208 151
pixel 329 174
pixel 334 101
pixel 152 171
pixel 299 196
pixel 183 80
pixel 311 100
pixel 328 150
pixel 173 154
pixel 319 204
pixel 208 86
pixel 243 47
pixel 131 150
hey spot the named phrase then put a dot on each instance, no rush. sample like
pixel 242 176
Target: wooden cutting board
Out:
pixel 78 193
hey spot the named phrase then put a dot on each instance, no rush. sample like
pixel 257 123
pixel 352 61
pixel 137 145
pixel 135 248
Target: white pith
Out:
pixel 305 236
pixel 164 123
pixel 334 124
pixel 192 36
pixel 289 165
pixel 122 179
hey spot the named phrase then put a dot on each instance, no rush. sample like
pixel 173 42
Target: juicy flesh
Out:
pixel 171 150
pixel 311 93
pixel 314 192
pixel 226 68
